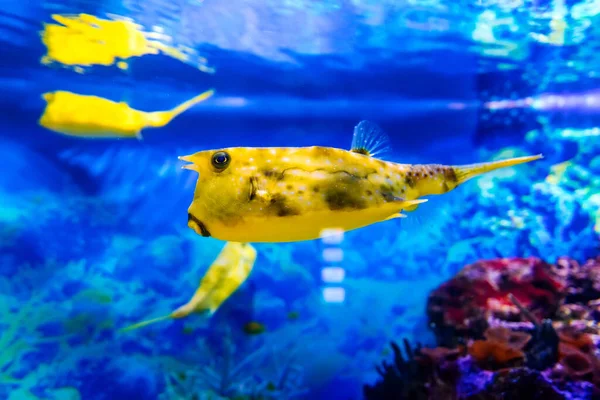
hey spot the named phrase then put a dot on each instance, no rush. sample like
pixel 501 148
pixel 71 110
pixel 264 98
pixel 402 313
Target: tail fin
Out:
pixel 190 103
pixel 466 172
pixel 144 323
pixel 195 305
pixel 159 119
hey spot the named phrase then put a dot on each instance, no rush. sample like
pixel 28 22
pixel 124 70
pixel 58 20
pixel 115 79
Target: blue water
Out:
pixel 94 236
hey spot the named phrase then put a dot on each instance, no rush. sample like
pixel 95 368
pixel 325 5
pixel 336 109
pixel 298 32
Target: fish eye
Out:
pixel 220 160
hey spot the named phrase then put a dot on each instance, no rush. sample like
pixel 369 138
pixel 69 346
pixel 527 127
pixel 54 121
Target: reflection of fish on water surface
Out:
pixel 85 40
pixel 96 117
pixel 226 274
pixel 286 194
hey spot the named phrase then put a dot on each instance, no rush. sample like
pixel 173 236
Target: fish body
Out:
pixel 287 194
pixel 87 116
pixel 225 275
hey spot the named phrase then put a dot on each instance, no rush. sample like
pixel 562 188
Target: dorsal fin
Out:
pixel 369 139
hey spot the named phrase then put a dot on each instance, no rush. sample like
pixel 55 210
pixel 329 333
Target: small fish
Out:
pixel 226 274
pixel 288 194
pixel 94 117
pixel 293 315
pixel 254 328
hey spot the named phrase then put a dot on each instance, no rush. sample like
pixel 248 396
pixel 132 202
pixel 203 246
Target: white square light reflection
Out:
pixel 333 255
pixel 332 235
pixel 333 274
pixel 334 294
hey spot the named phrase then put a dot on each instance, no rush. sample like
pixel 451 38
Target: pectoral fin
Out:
pixel 394 216
pixel 398 205
pixel 412 205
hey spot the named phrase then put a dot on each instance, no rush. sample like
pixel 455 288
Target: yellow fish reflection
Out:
pixel 229 270
pixel 96 117
pixel 85 40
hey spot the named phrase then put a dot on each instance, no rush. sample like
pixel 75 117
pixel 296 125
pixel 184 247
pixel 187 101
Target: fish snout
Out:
pixel 192 166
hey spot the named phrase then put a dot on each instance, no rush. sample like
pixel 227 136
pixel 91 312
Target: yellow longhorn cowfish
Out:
pixel 96 117
pixel 287 194
pixel 226 274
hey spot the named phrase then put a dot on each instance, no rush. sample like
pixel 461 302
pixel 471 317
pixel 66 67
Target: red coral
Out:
pixel 576 364
pixel 578 340
pixel 560 301
pixel 481 290
pixel 493 355
pixel 502 349
pixel 517 340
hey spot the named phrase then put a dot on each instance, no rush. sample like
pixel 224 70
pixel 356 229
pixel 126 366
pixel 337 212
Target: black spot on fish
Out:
pixel 361 150
pixel 199 224
pixel 289 187
pixel 450 174
pixel 340 199
pixel 280 206
pixel 369 193
pixel 410 180
pixel 316 189
pixel 272 173
pixel 345 193
pixel 387 193
pixel 321 151
pixel 253 187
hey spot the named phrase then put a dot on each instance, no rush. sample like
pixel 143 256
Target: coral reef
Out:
pixel 506 328
pixel 460 308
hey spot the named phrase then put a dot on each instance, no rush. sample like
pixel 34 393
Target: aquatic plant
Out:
pixel 230 374
pixel 421 374
pixel 222 377
pixel 403 378
pixel 29 337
